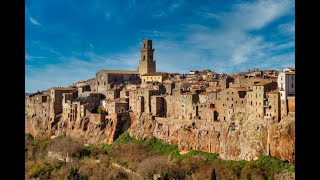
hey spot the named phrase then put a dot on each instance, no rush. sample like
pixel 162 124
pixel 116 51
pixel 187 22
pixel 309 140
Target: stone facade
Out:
pixel 286 84
pixel 147 63
pixel 112 94
pixel 157 105
pixel 154 77
pixel 229 99
pixel 117 106
pixel 139 100
pixel 56 100
pixel 107 79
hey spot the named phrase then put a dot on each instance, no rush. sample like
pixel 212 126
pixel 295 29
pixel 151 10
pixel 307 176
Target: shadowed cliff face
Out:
pixel 244 137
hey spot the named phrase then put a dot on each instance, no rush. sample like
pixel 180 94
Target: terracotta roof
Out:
pixel 262 83
pixel 292 69
pixel 155 74
pixel 213 109
pixel 120 72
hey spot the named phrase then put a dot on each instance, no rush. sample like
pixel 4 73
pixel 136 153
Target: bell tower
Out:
pixel 147 64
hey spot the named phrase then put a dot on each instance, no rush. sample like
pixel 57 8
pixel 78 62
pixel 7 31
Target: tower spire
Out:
pixel 147 64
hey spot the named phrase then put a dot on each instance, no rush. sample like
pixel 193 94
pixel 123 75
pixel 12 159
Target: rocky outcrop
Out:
pixel 244 137
pixel 281 139
pixel 92 132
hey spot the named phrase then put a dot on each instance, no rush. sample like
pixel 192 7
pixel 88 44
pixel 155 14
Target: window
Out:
pixel 231 99
pixel 144 45
pixel 227 99
pixel 144 57
pixel 292 85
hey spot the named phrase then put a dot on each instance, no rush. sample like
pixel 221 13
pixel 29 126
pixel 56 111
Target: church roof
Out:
pixel 154 74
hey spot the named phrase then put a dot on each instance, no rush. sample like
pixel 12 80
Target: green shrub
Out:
pixel 273 164
pixel 209 156
pixel 74 175
pixel 41 170
pixel 100 110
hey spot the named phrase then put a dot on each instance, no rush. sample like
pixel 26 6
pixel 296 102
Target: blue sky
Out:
pixel 70 40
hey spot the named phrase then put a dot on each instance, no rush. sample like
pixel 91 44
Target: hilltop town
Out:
pixel 240 116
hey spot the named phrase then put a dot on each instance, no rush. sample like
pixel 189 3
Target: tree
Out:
pixel 100 110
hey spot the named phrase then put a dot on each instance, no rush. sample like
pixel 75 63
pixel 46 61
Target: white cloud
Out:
pixel 287 28
pixel 34 21
pixel 232 41
pixel 256 15
pixel 29 57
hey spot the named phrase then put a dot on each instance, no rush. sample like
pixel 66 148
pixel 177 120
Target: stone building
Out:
pixel 286 84
pixel 38 104
pixel 291 104
pixel 117 106
pixel 83 89
pixel 112 93
pixel 228 100
pixel 158 105
pixel 56 100
pixel 147 63
pixel 257 97
pixel 200 110
pixel 272 106
pixel 168 88
pixel 139 100
pixel 185 106
pixel 224 82
pixel 107 79
pixel 154 77
pixel 208 96
pixel 124 93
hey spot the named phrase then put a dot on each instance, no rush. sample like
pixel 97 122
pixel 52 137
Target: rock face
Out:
pixel 244 137
pixel 90 131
